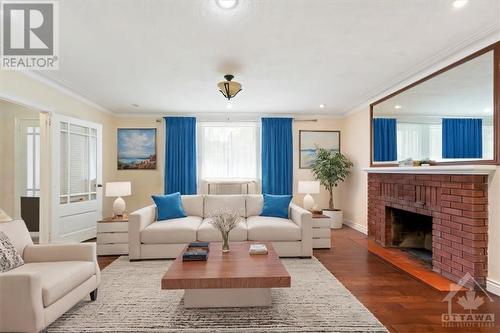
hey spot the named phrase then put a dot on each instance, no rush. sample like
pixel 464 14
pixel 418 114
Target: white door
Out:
pixel 76 178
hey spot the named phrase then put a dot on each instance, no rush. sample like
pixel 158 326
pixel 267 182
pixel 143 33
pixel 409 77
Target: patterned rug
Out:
pixel 130 300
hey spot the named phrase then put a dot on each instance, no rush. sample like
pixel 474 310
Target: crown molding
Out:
pixel 441 59
pixel 64 90
pixel 227 115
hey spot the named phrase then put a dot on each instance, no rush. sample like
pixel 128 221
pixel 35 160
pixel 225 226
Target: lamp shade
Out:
pixel 118 189
pixel 308 187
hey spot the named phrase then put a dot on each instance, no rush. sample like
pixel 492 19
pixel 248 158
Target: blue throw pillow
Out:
pixel 276 205
pixel 169 206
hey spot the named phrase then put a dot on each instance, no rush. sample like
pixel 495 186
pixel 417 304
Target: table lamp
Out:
pixel 308 187
pixel 119 190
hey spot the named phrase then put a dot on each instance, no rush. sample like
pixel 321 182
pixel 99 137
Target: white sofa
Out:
pixel 53 279
pixel 149 239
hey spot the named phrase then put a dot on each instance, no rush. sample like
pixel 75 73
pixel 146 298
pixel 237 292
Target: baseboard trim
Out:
pixel 356 226
pixel 493 286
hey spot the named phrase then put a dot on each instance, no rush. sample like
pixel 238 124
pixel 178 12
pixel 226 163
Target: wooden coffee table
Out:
pixel 233 279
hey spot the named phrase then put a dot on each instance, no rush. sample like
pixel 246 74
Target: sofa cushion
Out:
pixel 9 257
pixel 265 228
pixel 254 204
pixel 168 206
pixel 4 217
pixel 193 204
pixel 208 233
pixel 276 205
pixel 59 277
pixel 214 203
pixel 18 234
pixel 174 231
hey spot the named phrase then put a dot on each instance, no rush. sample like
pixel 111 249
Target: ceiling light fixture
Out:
pixel 397 107
pixel 229 88
pixel 457 4
pixel 229 106
pixel 487 110
pixel 322 106
pixel 226 4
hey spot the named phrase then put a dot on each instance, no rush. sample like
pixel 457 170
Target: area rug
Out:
pixel 130 300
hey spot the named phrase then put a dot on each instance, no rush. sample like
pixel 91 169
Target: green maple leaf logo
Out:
pixel 470 301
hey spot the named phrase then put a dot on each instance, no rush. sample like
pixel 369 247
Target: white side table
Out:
pixel 112 236
pixel 321 231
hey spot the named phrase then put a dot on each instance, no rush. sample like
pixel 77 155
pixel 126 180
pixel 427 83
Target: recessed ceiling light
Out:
pixel 457 4
pixel 322 106
pixel 226 4
pixel 398 107
pixel 229 106
pixel 135 105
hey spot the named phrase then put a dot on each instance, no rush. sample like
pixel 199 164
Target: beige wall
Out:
pixel 144 182
pixel 27 90
pixel 9 113
pixel 356 145
pixel 331 124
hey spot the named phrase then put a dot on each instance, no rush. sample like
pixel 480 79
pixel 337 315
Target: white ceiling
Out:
pixel 464 91
pixel 289 55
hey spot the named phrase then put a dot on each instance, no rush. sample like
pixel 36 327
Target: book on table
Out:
pixel 258 249
pixel 196 251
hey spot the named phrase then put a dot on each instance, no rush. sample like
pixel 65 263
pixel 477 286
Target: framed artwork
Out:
pixel 136 148
pixel 309 141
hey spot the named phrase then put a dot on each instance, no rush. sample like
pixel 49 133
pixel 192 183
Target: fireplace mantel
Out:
pixel 438 169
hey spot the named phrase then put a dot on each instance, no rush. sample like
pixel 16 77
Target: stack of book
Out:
pixel 258 249
pixel 196 251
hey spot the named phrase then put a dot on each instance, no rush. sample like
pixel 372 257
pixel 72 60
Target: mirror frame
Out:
pixel 496 106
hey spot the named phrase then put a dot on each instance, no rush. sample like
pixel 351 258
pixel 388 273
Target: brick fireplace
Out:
pixel 457 206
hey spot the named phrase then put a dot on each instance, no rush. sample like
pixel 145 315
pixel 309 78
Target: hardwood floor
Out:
pixel 400 302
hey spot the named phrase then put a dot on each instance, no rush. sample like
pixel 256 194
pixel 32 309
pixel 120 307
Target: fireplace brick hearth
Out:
pixel 458 205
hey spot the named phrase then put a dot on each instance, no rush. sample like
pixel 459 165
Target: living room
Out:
pixel 250 166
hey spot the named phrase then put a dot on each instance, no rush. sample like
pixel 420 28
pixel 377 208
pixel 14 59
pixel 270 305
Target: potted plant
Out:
pixel 331 169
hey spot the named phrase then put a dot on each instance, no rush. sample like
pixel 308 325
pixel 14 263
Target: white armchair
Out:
pixel 53 279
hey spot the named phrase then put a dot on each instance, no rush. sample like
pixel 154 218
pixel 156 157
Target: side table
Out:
pixel 321 231
pixel 112 236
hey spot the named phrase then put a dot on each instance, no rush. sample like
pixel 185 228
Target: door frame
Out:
pixel 45 174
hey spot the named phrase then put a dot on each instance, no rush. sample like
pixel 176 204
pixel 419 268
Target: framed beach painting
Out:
pixel 136 148
pixel 309 141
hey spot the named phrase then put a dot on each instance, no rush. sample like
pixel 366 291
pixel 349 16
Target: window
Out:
pixel 78 163
pixel 418 141
pixel 228 150
pixel 32 161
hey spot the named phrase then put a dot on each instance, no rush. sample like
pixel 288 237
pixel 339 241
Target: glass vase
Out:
pixel 225 242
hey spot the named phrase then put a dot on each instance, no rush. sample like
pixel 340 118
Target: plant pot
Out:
pixel 336 218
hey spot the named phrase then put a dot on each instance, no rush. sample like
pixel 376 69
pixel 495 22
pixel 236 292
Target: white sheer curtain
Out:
pixel 228 150
pixel 419 141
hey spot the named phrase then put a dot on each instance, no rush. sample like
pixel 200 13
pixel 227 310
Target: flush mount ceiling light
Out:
pixel 322 106
pixel 229 88
pixel 457 4
pixel 398 107
pixel 226 4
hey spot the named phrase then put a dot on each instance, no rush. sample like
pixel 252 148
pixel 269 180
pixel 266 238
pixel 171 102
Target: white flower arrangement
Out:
pixel 225 219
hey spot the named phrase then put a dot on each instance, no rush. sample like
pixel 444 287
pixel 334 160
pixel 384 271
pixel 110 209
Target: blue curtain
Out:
pixel 384 140
pixel 462 138
pixel 277 156
pixel 180 155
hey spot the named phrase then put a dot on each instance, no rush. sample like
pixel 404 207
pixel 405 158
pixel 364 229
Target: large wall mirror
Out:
pixel 448 117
